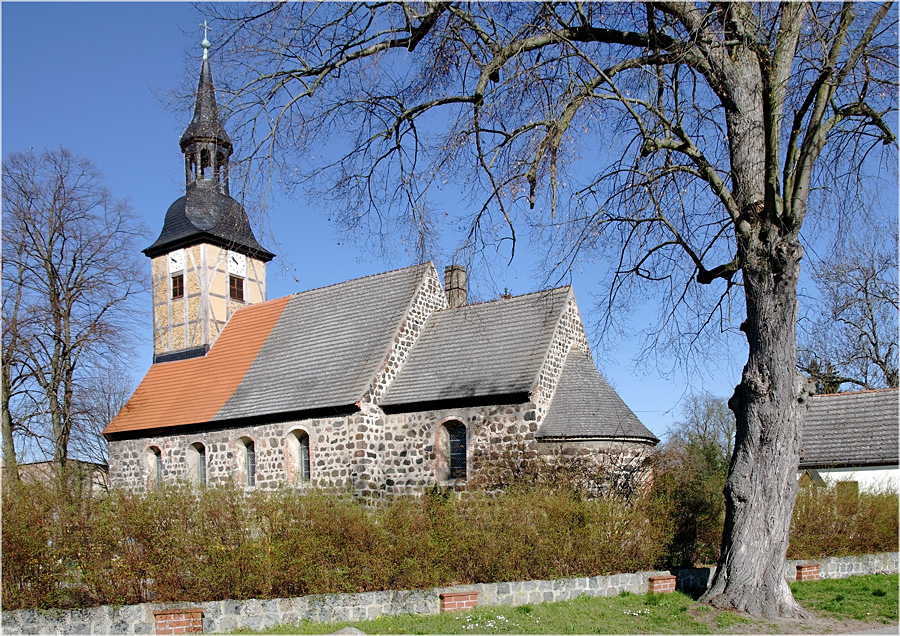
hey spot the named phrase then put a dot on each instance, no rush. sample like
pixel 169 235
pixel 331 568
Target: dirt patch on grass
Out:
pixel 722 622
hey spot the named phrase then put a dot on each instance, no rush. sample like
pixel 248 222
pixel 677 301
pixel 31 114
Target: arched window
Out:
pixel 205 164
pixel 153 456
pixel 249 461
pixel 450 451
pixel 298 455
pixel 457 451
pixel 190 168
pixel 196 460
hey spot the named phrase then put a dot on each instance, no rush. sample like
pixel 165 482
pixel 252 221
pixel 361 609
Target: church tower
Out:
pixel 206 262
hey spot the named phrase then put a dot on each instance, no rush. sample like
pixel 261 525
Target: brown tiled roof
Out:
pixel 192 391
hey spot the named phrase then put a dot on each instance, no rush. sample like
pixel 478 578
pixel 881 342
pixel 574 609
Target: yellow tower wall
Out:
pixel 196 319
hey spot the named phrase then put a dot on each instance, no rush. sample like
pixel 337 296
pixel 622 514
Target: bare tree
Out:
pixel 70 276
pixel 854 338
pixel 13 373
pixel 101 396
pixel 705 421
pixel 683 143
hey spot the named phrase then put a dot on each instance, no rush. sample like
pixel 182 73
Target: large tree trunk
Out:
pixel 10 465
pixel 769 405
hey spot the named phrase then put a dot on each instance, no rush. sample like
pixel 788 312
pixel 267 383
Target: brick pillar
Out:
pixel 808 572
pixel 662 584
pixel 451 601
pixel 187 620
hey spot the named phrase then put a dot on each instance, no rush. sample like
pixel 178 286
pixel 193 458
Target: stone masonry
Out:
pixel 224 616
pixel 373 453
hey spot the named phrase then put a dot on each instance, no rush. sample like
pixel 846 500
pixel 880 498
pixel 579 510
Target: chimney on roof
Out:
pixel 455 285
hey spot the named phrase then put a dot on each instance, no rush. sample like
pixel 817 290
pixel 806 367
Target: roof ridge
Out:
pixel 501 299
pixel 353 280
pixel 860 392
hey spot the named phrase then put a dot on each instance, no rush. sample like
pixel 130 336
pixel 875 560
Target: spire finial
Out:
pixel 205 42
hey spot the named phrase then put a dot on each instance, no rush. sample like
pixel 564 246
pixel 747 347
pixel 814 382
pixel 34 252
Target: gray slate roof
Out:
pixel 205 214
pixel 488 349
pixel 584 405
pixel 326 346
pixel 205 124
pixel 851 429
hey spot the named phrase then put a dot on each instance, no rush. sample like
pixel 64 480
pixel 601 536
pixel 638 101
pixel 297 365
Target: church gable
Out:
pixel 568 332
pixel 479 351
pixel 429 297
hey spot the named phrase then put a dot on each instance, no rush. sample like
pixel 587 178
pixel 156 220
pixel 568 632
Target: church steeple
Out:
pixel 205 144
pixel 206 262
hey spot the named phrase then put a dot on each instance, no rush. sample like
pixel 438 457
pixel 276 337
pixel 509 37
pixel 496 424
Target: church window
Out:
pixel 298 455
pixel 196 460
pixel 178 286
pixel 450 451
pixel 250 461
pixel 235 287
pixel 458 451
pixel 205 165
pixel 154 466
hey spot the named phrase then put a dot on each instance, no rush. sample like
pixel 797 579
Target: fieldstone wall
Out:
pixel 401 450
pixel 842 567
pixel 369 444
pixel 130 465
pixel 569 334
pixel 619 465
pixel 374 453
pixel 412 456
pixel 221 616
pixel 829 568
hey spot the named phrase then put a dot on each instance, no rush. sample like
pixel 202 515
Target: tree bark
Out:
pixel 10 465
pixel 769 405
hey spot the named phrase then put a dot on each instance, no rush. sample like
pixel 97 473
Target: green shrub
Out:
pixel 688 483
pixel 182 544
pixel 825 523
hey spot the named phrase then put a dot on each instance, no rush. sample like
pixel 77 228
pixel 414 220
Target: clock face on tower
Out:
pixel 176 261
pixel 237 264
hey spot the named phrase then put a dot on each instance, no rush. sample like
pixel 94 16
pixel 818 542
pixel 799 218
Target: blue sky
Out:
pixel 93 77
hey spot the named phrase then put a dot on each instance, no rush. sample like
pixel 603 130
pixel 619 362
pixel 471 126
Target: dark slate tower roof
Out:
pixel 206 124
pixel 207 213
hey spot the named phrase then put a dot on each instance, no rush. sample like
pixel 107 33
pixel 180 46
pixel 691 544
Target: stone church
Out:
pixel 381 385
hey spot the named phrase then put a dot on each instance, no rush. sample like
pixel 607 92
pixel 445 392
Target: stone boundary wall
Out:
pixel 221 616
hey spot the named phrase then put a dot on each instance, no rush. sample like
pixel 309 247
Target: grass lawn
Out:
pixel 867 598
pixel 863 598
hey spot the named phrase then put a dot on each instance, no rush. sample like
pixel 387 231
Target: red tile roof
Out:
pixel 192 391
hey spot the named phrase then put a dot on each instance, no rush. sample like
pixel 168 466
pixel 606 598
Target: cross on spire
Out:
pixel 205 42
